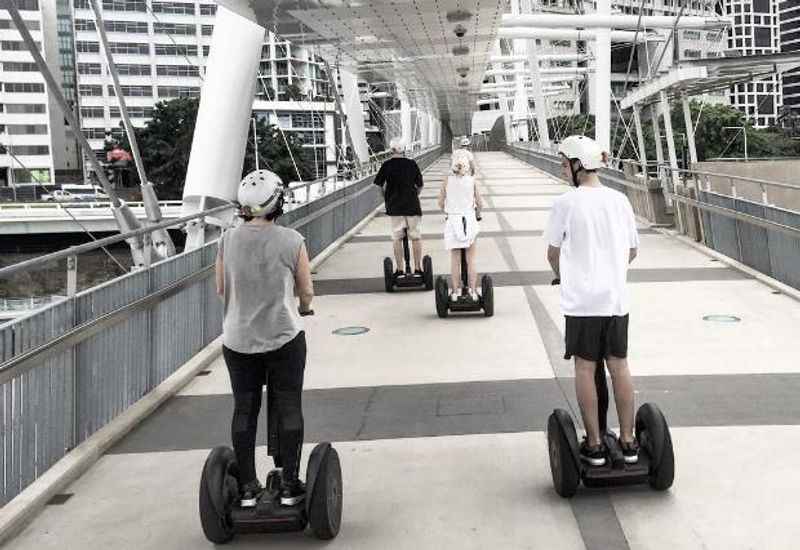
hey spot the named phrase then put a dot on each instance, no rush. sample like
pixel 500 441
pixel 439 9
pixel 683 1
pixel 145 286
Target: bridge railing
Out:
pixel 71 367
pixel 709 208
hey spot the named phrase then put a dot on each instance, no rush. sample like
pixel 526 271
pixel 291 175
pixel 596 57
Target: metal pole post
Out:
pixel 687 119
pixel 744 130
pixel 602 78
pixel 637 121
pixel 255 141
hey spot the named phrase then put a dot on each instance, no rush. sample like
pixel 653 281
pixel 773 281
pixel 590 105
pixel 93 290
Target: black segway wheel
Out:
pixel 653 435
pixel 325 494
pixel 562 442
pixel 388 274
pixel 442 297
pixel 487 295
pixel 219 488
pixel 427 272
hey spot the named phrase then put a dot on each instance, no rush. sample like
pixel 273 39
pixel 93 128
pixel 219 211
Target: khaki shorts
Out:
pixel 412 223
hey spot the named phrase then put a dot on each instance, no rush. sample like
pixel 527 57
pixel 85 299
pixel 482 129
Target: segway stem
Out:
pixel 464 273
pixel 406 252
pixel 602 396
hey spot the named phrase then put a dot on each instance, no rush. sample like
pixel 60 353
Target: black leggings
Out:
pixel 282 372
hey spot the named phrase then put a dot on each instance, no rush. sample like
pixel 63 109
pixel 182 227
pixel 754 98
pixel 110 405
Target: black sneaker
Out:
pixel 398 273
pixel 292 492
pixel 418 273
pixel 250 494
pixel 592 455
pixel 630 451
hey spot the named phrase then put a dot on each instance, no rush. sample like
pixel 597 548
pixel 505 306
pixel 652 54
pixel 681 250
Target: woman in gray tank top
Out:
pixel 262 270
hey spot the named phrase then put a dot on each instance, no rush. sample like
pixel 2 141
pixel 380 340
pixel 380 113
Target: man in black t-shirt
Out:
pixel 401 182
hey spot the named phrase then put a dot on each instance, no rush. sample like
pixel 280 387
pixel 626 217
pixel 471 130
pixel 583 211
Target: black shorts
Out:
pixel 595 338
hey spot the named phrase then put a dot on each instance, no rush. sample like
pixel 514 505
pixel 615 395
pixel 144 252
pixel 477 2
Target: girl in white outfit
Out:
pixel 460 200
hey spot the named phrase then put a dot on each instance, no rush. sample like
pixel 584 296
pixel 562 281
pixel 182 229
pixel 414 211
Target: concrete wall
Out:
pixel 779 170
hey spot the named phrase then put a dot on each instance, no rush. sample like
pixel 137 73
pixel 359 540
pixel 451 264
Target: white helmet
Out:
pixel 260 194
pixel 465 142
pixel 584 149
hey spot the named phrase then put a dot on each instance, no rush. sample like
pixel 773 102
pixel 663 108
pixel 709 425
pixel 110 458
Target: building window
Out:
pixel 92 112
pixel 30 150
pixel 761 6
pixel 133 70
pixel 206 51
pixel 133 112
pixel 178 91
pixel 36 175
pixel 26 129
pixel 19 67
pixel 177 70
pixel 87 47
pixel 763 37
pixel 27 5
pixel 175 8
pixel 691 35
pixel 691 53
pixel 130 48
pixel 90 90
pixel 207 30
pixel 134 27
pixel 125 5
pixel 24 108
pixel 208 9
pixel 89 68
pixel 179 29
pixel 176 50
pixel 16 46
pixel 8 24
pixel 133 91
pixel 84 25
pixel 94 133
pixel 23 88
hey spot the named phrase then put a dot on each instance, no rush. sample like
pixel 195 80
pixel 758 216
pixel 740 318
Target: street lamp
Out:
pixel 743 129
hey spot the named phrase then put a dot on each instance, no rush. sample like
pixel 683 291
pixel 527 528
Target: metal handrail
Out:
pixel 730 177
pixel 88 247
pixel 91 205
pixel 114 239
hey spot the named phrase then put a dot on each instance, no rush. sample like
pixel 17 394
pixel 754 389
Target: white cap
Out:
pixel 583 148
pixel 397 146
pixel 465 142
pixel 259 193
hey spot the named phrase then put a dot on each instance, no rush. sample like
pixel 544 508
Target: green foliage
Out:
pixel 712 139
pixel 166 141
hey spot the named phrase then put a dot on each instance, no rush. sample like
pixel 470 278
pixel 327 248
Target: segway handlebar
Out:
pixel 555 281
pixel 306 313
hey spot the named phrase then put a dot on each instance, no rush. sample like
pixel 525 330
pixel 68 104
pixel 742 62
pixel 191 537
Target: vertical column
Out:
pixel 223 118
pixel 355 115
pixel 657 133
pixel 687 119
pixel 520 117
pixel 538 96
pixel 602 79
pixel 665 111
pixel 637 120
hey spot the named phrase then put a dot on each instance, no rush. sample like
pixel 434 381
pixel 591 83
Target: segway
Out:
pixel 464 302
pixel 656 464
pixel 407 278
pixel 221 516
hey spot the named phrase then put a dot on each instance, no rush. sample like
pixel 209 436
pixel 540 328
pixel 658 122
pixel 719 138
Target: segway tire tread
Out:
pixel 388 274
pixel 487 295
pixel 565 472
pixel 427 272
pixel 217 526
pixel 442 297
pixel 653 434
pixel 325 509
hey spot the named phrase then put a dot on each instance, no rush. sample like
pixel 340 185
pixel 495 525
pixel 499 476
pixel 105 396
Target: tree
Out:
pixel 272 153
pixel 294 93
pixel 712 139
pixel 166 141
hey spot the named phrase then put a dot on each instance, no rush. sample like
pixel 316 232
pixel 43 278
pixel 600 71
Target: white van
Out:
pixel 85 192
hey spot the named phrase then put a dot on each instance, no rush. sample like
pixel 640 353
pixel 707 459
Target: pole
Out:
pixel 687 119
pixel 255 141
pixel 744 131
pixel 602 78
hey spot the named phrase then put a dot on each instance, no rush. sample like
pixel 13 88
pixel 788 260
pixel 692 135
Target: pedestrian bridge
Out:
pixel 112 399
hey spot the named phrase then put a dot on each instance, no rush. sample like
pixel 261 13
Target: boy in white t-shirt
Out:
pixel 592 238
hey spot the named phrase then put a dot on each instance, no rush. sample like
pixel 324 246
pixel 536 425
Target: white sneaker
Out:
pixel 454 294
pixel 473 294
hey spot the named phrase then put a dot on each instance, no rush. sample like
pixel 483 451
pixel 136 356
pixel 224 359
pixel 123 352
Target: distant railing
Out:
pixel 734 215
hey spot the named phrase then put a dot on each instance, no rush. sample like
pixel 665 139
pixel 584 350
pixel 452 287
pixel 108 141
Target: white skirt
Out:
pixel 460 231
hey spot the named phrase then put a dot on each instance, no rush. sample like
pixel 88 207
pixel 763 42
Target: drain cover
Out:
pixel 722 318
pixel 350 331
